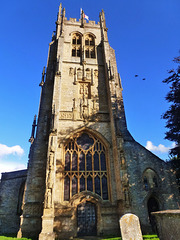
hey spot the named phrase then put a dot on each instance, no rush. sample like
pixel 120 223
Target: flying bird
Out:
pixel 136 75
pixel 143 79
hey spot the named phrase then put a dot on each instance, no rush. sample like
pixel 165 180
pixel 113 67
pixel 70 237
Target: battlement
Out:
pixel 75 22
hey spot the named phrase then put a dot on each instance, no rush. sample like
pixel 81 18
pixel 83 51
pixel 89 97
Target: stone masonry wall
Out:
pixel 10 191
pixel 138 161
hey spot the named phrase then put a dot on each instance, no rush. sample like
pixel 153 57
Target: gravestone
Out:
pixel 130 227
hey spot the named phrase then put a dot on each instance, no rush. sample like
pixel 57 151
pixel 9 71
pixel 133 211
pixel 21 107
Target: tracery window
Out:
pixel 76 45
pixel 89 46
pixel 85 166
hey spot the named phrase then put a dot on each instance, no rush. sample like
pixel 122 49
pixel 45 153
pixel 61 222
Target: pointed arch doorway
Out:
pixel 153 206
pixel 86 219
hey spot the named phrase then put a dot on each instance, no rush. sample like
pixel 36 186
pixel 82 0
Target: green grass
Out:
pixel 145 237
pixel 12 238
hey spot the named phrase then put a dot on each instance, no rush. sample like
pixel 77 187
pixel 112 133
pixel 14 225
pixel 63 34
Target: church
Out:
pixel 85 170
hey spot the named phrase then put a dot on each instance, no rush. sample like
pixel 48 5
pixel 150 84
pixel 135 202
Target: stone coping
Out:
pixel 174 212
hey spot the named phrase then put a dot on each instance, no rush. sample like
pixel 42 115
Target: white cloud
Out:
pixel 6 156
pixel 15 150
pixel 10 166
pixel 160 148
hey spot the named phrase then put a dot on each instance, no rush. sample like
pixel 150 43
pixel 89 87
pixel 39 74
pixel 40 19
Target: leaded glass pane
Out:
pixel 103 161
pixel 92 54
pixel 78 53
pixel 73 52
pixel 66 188
pixel 82 184
pixel 91 42
pixel 96 161
pixel 89 161
pixel 74 161
pixel 78 41
pixel 100 146
pixel 97 185
pixel 87 53
pixel 89 184
pixel 104 188
pixel 82 162
pixel 67 161
pixel 74 186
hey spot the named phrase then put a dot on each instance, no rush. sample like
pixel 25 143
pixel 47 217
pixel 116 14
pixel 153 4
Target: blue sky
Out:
pixel 145 35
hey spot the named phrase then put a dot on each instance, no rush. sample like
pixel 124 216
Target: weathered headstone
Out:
pixel 130 227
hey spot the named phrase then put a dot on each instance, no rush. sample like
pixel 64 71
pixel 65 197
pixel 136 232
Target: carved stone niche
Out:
pixel 79 74
pixel 88 74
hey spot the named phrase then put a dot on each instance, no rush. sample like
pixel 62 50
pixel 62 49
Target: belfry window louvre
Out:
pixel 85 166
pixel 89 46
pixel 76 45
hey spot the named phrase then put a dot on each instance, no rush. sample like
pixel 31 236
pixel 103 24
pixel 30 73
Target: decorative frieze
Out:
pixel 65 115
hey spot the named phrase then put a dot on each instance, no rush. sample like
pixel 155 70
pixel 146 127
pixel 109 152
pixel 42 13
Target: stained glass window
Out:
pixel 85 166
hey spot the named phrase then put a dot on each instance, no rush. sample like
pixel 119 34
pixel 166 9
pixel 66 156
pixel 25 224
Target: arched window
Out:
pixel 146 183
pixel 150 179
pixel 85 166
pixel 89 46
pixel 76 45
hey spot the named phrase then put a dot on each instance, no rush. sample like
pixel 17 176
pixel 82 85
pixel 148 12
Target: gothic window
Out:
pixel 85 166
pixel 150 179
pixel 89 46
pixel 76 45
pixel 145 183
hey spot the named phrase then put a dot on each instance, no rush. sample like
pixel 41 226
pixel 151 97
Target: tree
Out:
pixel 172 115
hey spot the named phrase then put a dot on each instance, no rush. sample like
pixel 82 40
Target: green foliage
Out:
pixel 175 164
pixel 12 238
pixel 148 237
pixel 172 115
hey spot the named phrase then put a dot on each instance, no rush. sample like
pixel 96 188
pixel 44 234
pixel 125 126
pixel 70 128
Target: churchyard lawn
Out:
pixel 145 237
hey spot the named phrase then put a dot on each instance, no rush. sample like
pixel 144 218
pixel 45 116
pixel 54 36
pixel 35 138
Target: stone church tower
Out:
pixel 85 169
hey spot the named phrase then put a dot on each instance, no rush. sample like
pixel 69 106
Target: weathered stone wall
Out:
pixel 138 160
pixel 168 224
pixel 10 200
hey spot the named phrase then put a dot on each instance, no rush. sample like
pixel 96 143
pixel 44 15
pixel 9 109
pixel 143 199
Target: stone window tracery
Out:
pixel 150 179
pixel 85 166
pixel 76 45
pixel 89 46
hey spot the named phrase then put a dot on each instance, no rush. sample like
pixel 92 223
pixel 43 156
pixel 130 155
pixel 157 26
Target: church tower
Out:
pixel 85 170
